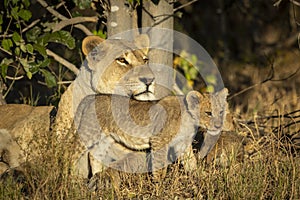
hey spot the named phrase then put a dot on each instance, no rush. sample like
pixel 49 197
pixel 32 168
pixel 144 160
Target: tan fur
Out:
pixel 22 127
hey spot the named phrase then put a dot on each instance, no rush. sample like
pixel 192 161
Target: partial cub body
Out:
pixel 156 131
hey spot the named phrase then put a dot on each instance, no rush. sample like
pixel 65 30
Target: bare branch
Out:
pixel 277 3
pixel 75 20
pixel 64 62
pixel 14 78
pixel 295 2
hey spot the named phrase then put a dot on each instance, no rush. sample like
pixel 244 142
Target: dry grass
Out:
pixel 260 160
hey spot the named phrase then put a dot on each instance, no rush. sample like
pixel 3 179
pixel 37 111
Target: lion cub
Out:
pixel 141 136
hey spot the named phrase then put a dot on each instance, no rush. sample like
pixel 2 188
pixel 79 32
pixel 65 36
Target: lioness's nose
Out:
pixel 147 80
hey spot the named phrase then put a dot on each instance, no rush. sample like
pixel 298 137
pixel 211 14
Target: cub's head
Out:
pixel 120 67
pixel 209 109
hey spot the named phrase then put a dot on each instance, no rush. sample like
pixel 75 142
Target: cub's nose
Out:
pixel 147 80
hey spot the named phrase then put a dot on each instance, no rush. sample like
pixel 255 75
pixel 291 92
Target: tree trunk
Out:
pixel 121 18
pixel 160 15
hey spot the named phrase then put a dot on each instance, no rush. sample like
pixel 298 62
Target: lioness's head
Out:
pixel 120 67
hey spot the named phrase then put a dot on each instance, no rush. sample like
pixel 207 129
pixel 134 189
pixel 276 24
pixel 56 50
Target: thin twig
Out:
pixel 288 77
pixel 64 82
pixel 289 115
pixel 61 17
pixel 2 49
pixel 269 78
pixel 14 78
pixel 64 62
pixel 167 16
pixel 12 83
pixel 184 5
pixel 31 25
pixel 23 30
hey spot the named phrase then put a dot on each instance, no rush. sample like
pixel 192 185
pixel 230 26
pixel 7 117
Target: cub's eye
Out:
pixel 221 112
pixel 122 61
pixel 208 113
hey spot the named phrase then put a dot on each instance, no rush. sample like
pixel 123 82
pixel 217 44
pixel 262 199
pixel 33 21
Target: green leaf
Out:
pixel 36 67
pixel 29 74
pixel 25 14
pixel 41 49
pixel 4 65
pixel 193 73
pixel 14 12
pixel 23 48
pixel 6 44
pixel 210 88
pixel 16 37
pixel 33 68
pixel 1 19
pixel 33 34
pixel 26 3
pixel 100 33
pixel 17 51
pixel 4 70
pixel 179 14
pixel 211 79
pixel 44 39
pixel 1 22
pixel 44 63
pixel 6 3
pixel 83 4
pixel 6 61
pixel 49 78
pixel 62 37
pixel 14 2
pixel 194 59
pixel 29 48
pixel 26 67
pixel 25 64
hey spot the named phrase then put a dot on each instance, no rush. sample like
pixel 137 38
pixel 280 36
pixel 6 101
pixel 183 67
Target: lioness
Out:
pixel 112 67
pixel 123 133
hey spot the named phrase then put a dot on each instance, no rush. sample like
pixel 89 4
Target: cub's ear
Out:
pixel 223 93
pixel 89 43
pixel 193 100
pixel 142 41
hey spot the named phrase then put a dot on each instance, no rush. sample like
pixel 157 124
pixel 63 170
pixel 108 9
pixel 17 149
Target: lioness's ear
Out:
pixel 142 41
pixel 89 43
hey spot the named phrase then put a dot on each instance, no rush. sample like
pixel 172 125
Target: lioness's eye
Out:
pixel 145 59
pixel 122 61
